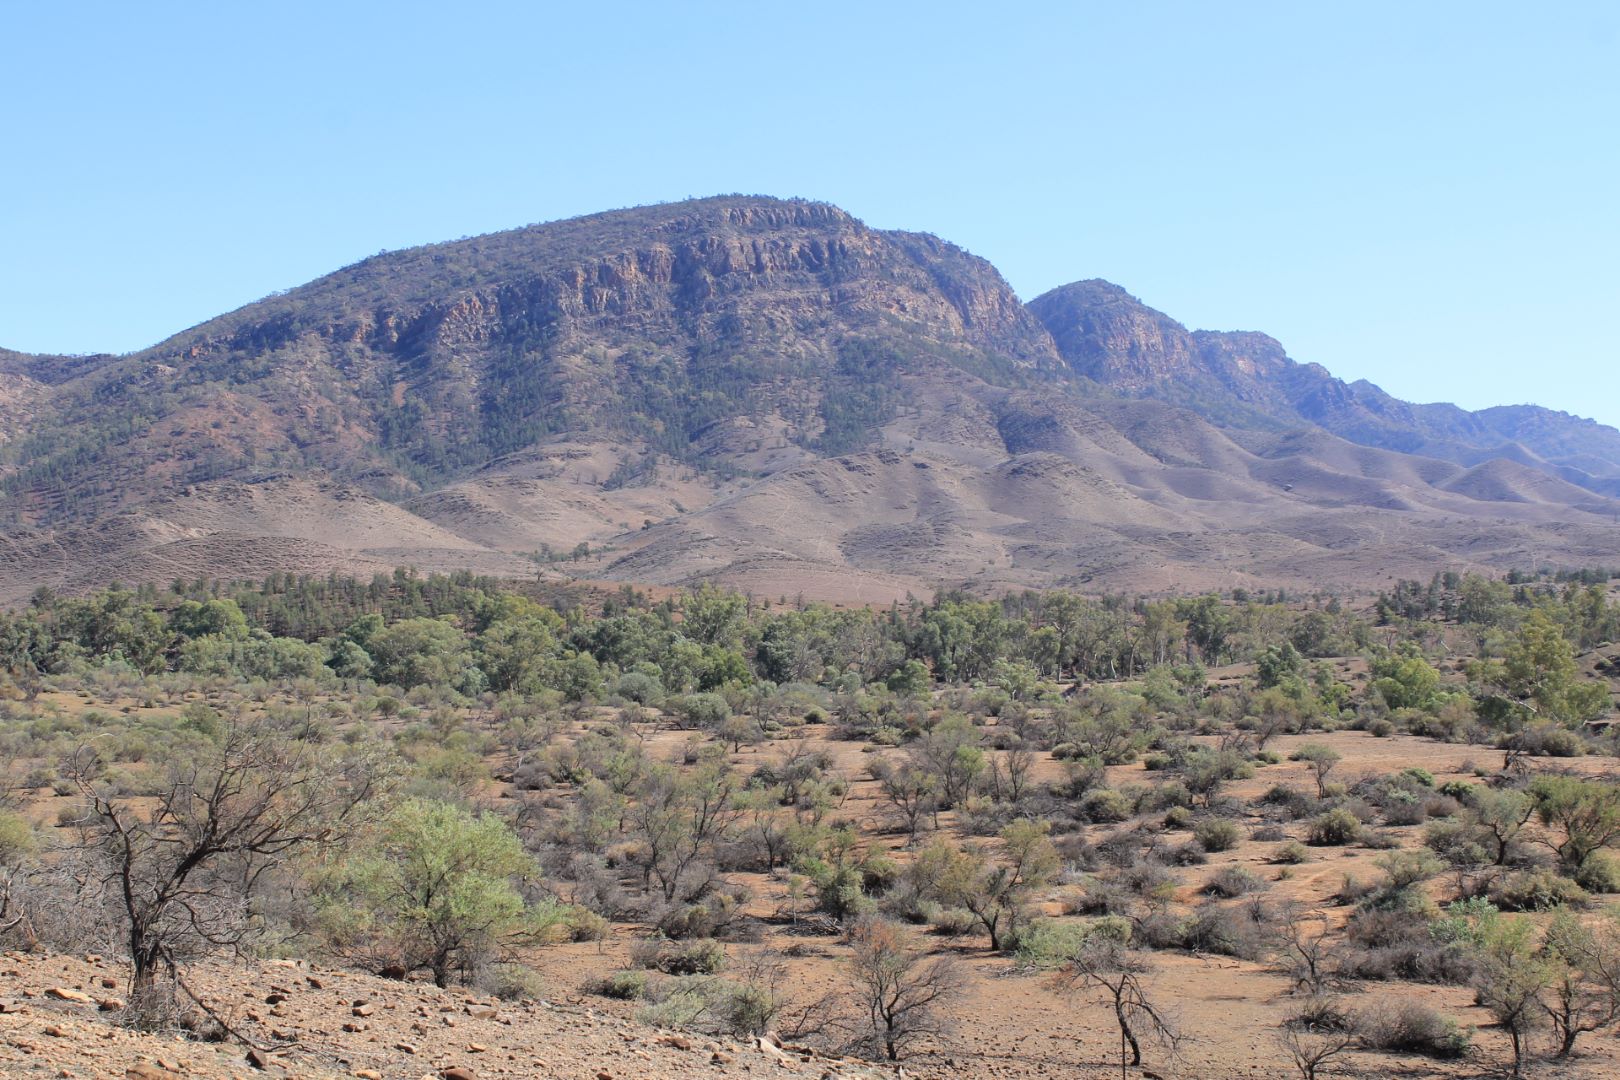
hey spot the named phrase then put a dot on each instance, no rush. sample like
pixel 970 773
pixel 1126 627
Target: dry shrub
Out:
pixel 1409 1027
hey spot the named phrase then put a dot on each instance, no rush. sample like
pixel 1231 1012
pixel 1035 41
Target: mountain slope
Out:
pixel 768 393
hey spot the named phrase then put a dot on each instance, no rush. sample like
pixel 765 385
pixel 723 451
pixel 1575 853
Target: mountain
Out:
pixel 1247 379
pixel 769 393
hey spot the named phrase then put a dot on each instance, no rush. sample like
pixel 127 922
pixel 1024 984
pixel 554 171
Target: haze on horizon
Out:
pixel 1420 198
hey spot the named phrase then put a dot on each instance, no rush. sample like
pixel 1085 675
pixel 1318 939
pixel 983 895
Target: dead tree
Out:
pixel 181 876
pixel 1311 1049
pixel 1117 971
pixel 899 991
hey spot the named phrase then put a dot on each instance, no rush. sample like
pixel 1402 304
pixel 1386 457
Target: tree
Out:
pixel 1537 679
pixel 1108 965
pixel 419 652
pixel 1305 947
pixel 1584 987
pixel 434 888
pixel 1498 815
pixel 183 875
pixel 679 819
pixel 996 891
pixel 900 993
pixel 16 844
pixel 912 790
pixel 1406 680
pixel 1509 979
pixel 1321 758
pixel 1583 814
pixel 951 752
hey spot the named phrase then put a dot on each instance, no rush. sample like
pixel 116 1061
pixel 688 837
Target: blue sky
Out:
pixel 1424 195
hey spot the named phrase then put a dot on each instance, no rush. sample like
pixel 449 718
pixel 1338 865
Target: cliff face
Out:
pixel 412 367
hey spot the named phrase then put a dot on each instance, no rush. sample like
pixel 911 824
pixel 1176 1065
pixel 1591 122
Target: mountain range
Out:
pixel 770 394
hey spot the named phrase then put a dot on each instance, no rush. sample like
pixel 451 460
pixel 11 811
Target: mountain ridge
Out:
pixel 679 381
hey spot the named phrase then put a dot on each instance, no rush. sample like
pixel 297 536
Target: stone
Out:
pixel 78 997
pixel 149 1072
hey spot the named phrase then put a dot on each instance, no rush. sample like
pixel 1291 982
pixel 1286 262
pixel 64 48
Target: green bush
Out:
pixel 1292 853
pixel 624 985
pixel 1106 806
pixel 1049 943
pixel 1217 834
pixel 1536 890
pixel 1334 828
pixel 1419 776
pixel 1600 873
pixel 513 982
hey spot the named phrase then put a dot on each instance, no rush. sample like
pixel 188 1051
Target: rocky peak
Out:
pixel 1108 335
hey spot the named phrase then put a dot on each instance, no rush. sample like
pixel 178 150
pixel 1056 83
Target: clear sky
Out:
pixel 1422 194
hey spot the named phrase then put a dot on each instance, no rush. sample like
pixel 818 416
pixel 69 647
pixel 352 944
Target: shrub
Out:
pixel 513 982
pixel 1419 775
pixel 1546 740
pixel 1380 841
pixel 624 985
pixel 1178 817
pixel 1267 834
pixel 1289 798
pixel 1231 881
pixel 953 922
pixel 1442 806
pixel 1223 932
pixel 1292 853
pixel 1047 944
pixel 1404 808
pixel 1409 1027
pixel 1334 828
pixel 1217 834
pixel 1535 890
pixel 1185 855
pixel 703 957
pixel 1600 873
pixel 1106 806
pixel 1402 944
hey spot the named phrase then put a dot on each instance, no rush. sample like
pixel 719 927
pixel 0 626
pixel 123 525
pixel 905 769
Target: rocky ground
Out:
pixel 59 1018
